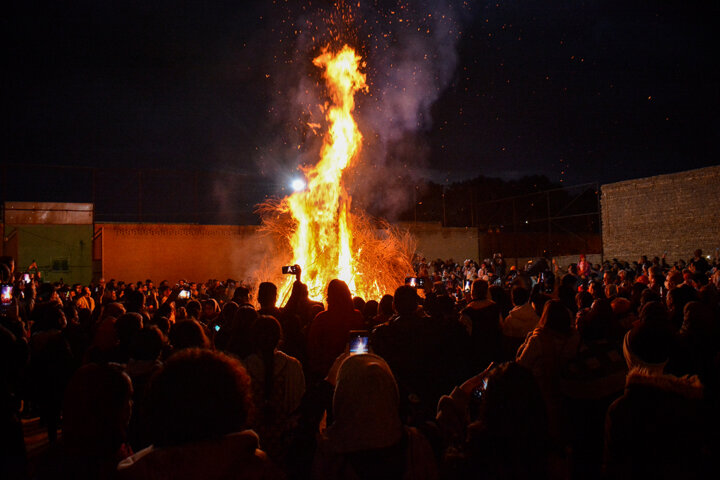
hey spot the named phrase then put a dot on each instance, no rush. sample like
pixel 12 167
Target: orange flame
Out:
pixel 328 240
pixel 322 240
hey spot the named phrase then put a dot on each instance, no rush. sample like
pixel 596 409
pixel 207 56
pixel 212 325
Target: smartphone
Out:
pixel 217 328
pixel 359 340
pixel 479 390
pixel 416 282
pixel 289 270
pixel 184 294
pixel 26 278
pixel 468 284
pixel 6 294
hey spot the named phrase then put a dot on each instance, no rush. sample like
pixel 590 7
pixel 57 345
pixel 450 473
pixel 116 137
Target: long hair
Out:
pixel 266 334
pixel 339 296
pixel 555 317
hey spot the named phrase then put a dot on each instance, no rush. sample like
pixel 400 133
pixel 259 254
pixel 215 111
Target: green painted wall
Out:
pixel 61 251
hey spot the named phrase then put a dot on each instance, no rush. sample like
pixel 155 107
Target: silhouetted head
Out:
pixel 370 309
pixel 197 395
pixel 228 311
pixel 127 326
pixel 147 344
pixel 267 294
pixel 556 317
pixel 358 303
pixel 96 409
pixel 386 304
pixel 519 295
pixel 338 296
pixel 479 289
pixel 188 334
pixel 405 300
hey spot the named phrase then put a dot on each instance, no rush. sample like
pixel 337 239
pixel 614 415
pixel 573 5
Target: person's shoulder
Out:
pixel 321 317
pixel 382 329
pixel 287 359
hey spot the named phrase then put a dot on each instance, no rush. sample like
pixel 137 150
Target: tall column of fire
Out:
pixel 322 241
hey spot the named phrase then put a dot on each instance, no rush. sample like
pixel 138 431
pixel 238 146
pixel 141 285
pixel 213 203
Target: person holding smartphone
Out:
pixel 329 330
pixel 497 422
pixel 367 438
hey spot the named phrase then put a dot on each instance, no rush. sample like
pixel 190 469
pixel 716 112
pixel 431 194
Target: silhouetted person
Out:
pixel 198 406
pixel 96 412
pixel 482 319
pixel 367 439
pixel 329 330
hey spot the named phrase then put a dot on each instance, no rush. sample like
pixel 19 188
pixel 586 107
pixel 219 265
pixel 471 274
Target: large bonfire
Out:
pixel 326 239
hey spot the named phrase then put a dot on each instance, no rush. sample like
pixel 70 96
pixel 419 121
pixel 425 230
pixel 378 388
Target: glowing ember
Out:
pixel 326 239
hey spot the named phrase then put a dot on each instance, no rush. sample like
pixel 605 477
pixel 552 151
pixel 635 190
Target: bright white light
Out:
pixel 298 184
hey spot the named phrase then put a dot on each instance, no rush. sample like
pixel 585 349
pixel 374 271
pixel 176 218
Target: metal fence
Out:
pixel 555 220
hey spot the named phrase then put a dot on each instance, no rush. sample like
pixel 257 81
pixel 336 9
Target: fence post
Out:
pixel 549 223
pixel 140 187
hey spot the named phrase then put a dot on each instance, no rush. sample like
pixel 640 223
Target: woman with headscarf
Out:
pixel 367 438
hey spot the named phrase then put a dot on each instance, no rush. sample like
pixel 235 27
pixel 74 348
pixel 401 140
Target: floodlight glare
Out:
pixel 298 184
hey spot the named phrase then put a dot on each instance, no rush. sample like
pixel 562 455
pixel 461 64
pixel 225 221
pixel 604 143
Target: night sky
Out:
pixel 580 91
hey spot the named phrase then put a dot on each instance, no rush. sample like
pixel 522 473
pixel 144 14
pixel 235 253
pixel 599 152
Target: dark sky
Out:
pixel 579 91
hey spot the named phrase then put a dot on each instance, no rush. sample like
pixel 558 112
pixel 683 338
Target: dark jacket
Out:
pixel 234 456
pixel 655 430
pixel 485 335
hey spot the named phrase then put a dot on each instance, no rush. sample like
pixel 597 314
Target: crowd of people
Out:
pixel 473 370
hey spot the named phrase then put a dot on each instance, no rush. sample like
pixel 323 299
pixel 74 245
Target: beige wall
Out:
pixel 435 241
pixel 676 213
pixel 133 252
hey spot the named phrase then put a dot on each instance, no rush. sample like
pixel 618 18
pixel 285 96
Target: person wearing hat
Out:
pixel 654 430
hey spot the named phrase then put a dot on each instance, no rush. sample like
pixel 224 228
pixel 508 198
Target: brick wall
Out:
pixel 674 213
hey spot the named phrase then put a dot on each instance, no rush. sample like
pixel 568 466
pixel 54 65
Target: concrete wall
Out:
pixel 133 252
pixel 674 213
pixel 435 241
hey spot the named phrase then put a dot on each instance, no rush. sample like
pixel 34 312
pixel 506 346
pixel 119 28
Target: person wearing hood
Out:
pixel 367 440
pixel 655 429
